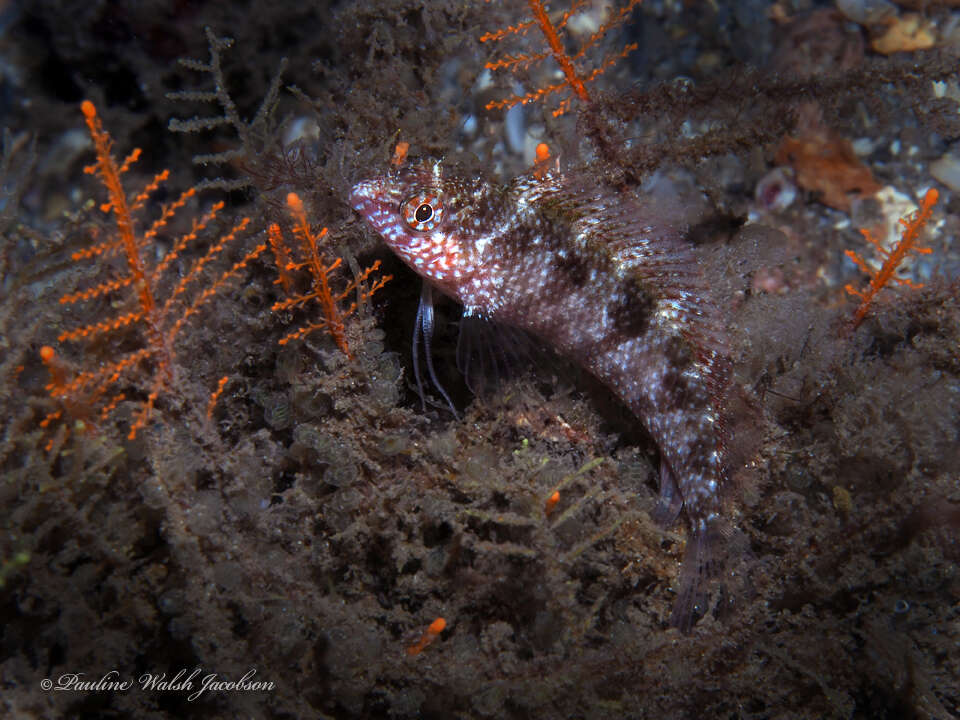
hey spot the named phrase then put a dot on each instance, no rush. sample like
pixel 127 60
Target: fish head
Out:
pixel 428 220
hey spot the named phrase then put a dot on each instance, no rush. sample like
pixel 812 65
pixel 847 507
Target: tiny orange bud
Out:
pixel 88 109
pixel 543 152
pixel 400 153
pixel 552 501
pixel 47 354
pixel 431 633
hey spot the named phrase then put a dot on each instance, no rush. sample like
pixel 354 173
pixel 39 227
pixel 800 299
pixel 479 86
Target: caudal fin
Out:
pixel 702 562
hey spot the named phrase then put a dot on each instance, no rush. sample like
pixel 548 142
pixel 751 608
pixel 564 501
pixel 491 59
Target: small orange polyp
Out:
pixel 431 634
pixel 400 153
pixel 552 502
pixel 542 162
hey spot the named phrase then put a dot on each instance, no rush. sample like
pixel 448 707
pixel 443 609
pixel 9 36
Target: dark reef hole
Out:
pixel 885 343
pixel 715 229
pixel 411 566
pixel 436 534
pixel 515 599
pixel 240 625
pixel 882 700
pixel 284 481
pixel 120 85
pixel 150 543
pixel 56 539
pixel 54 73
pixel 205 480
pixel 56 656
pixel 377 561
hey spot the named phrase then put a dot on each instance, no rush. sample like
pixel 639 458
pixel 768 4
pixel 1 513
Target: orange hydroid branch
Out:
pixel 155 315
pixel 215 396
pixel 106 168
pixel 575 77
pixel 320 274
pixel 912 226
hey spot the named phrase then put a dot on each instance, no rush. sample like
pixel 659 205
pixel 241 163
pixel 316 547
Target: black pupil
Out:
pixel 423 213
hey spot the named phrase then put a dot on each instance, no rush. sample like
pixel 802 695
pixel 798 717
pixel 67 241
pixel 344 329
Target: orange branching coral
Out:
pixel 575 79
pixel 157 318
pixel 912 226
pixel 320 274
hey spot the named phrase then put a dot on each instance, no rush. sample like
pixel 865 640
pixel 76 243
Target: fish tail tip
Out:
pixel 702 562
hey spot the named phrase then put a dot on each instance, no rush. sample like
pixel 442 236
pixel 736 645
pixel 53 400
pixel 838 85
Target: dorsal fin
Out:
pixel 643 238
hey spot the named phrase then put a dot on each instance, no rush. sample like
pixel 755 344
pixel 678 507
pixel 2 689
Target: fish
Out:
pixel 606 278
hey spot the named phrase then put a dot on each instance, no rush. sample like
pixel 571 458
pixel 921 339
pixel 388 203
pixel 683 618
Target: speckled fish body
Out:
pixel 603 279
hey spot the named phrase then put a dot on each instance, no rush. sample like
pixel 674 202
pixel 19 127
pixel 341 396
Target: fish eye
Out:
pixel 422 211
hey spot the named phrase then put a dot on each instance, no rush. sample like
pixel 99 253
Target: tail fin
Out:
pixel 702 562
